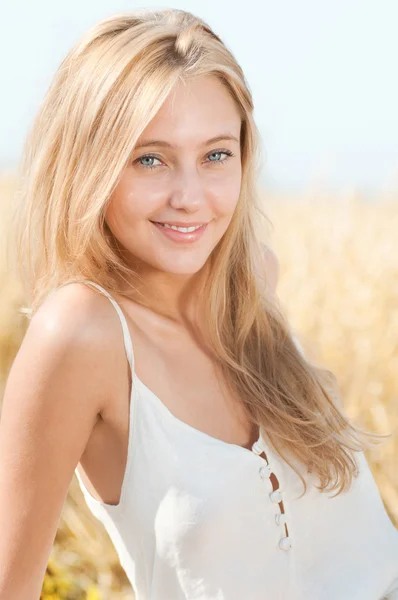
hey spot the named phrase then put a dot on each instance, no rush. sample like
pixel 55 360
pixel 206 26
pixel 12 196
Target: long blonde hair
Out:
pixel 103 95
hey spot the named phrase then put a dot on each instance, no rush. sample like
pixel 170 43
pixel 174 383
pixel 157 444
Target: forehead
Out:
pixel 194 111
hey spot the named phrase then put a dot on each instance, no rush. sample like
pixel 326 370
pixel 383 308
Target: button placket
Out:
pixel 276 496
pixel 285 543
pixel 265 472
pixel 257 449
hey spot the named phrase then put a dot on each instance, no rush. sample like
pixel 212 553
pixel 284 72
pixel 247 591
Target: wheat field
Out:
pixel 339 287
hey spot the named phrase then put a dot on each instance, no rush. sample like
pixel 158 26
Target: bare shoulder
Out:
pixel 72 328
pixel 56 388
pixel 77 325
pixel 74 311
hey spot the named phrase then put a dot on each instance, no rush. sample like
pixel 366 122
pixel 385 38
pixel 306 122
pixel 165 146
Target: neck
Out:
pixel 175 297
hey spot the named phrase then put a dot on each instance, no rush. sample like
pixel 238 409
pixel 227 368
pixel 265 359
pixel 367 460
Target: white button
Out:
pixel 257 448
pixel 276 496
pixel 285 544
pixel 265 471
pixel 280 519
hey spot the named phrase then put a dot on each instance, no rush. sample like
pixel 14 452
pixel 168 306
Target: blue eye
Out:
pixel 151 157
pixel 146 157
pixel 217 152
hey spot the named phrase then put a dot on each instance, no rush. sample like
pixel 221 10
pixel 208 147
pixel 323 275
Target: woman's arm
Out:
pixel 54 393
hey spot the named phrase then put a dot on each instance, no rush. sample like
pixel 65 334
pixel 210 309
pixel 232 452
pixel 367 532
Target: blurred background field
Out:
pixel 338 283
pixel 325 116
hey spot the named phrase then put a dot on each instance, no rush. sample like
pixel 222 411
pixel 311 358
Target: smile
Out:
pixel 181 234
pixel 183 229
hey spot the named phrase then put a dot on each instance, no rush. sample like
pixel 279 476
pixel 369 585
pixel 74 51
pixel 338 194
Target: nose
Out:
pixel 188 192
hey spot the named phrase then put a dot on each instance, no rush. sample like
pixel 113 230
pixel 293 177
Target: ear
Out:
pixel 270 269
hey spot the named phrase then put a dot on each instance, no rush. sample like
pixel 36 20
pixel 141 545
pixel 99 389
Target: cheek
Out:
pixel 133 204
pixel 225 196
pixel 137 199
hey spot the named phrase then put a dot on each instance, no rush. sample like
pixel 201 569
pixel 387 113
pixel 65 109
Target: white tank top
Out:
pixel 199 519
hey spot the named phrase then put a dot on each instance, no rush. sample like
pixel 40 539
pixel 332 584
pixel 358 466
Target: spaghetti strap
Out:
pixel 128 344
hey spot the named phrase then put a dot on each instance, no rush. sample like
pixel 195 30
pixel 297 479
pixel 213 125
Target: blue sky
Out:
pixel 323 77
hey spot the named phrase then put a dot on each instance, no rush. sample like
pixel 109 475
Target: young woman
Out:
pixel 157 364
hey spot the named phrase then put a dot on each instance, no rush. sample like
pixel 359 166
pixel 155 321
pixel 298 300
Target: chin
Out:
pixel 181 269
pixel 183 265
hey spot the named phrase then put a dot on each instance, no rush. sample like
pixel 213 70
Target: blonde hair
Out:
pixel 103 95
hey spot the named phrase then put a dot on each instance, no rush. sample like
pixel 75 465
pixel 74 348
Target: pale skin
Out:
pixel 192 181
pixel 66 401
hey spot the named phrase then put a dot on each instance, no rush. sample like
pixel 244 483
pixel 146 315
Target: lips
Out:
pixel 180 236
pixel 195 224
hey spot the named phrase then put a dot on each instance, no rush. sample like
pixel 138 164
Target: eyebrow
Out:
pixel 165 144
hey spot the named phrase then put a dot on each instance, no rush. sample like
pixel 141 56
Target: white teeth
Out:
pixel 183 229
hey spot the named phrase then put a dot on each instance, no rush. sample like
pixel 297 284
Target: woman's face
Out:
pixel 180 175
